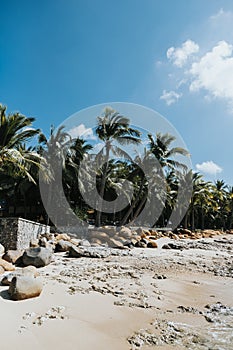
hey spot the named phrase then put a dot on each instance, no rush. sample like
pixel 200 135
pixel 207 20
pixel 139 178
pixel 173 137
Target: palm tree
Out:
pixel 15 158
pixel 161 149
pixel 55 152
pixel 113 127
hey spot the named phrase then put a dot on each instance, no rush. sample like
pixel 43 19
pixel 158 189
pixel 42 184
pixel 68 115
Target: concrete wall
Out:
pixel 16 233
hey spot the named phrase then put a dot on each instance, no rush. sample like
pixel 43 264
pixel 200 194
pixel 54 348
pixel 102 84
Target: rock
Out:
pixel 30 271
pixel 184 231
pixel 125 232
pixel 37 257
pixel 2 249
pixel 43 241
pixel 62 236
pixel 116 243
pixel 179 246
pixel 34 243
pixel 109 230
pixel 166 246
pixel 88 252
pixel 63 246
pixel 141 244
pixel 75 241
pixel 13 256
pixel 152 244
pixel 25 287
pixel 133 241
pixel 6 265
pixel 2 270
pixel 84 243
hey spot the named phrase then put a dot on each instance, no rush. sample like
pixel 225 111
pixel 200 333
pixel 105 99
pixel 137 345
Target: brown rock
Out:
pixel 34 243
pixel 152 244
pixel 62 236
pixel 1 270
pixel 6 265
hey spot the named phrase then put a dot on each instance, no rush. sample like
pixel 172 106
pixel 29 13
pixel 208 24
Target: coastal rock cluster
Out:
pixel 20 268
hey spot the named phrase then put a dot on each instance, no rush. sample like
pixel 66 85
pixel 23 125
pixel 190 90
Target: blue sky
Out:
pixel 60 56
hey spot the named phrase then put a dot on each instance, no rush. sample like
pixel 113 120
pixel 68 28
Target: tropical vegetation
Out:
pixel 26 154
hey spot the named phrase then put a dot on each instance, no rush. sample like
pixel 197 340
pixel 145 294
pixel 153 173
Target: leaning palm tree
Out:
pixel 164 153
pixel 113 128
pixel 15 159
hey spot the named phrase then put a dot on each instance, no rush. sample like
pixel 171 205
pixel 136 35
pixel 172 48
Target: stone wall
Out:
pixel 16 233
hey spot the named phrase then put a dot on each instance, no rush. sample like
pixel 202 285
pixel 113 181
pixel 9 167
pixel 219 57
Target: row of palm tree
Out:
pixel 150 199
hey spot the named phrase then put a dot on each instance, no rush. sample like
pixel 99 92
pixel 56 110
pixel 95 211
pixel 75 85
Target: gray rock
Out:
pixel 25 287
pixel 84 243
pixel 88 252
pixel 30 271
pixel 37 257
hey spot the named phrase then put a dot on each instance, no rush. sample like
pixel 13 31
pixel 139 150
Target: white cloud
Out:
pixel 82 131
pixel 214 71
pixel 209 168
pixel 170 97
pixel 221 14
pixel 180 55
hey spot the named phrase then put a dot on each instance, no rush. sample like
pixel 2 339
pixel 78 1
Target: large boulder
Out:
pixel 25 287
pixel 6 265
pixel 30 271
pixel 38 257
pixel 88 252
pixel 12 256
pixel 2 270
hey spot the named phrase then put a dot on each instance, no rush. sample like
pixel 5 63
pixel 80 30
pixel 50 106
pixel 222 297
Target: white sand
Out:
pixel 90 320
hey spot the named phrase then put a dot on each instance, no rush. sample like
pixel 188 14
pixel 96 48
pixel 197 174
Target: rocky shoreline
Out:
pixel 175 296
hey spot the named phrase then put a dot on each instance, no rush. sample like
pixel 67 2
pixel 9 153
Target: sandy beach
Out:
pixel 133 299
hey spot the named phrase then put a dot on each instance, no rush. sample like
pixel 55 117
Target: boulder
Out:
pixel 115 243
pixel 6 265
pixel 62 236
pixel 88 252
pixel 84 243
pixel 63 246
pixel 37 257
pixel 2 249
pixel 2 270
pixel 75 241
pixel 152 244
pixel 12 256
pixel 25 287
pixel 125 232
pixel 141 244
pixel 30 271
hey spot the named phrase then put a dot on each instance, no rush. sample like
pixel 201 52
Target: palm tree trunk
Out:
pixel 132 206
pixel 102 188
